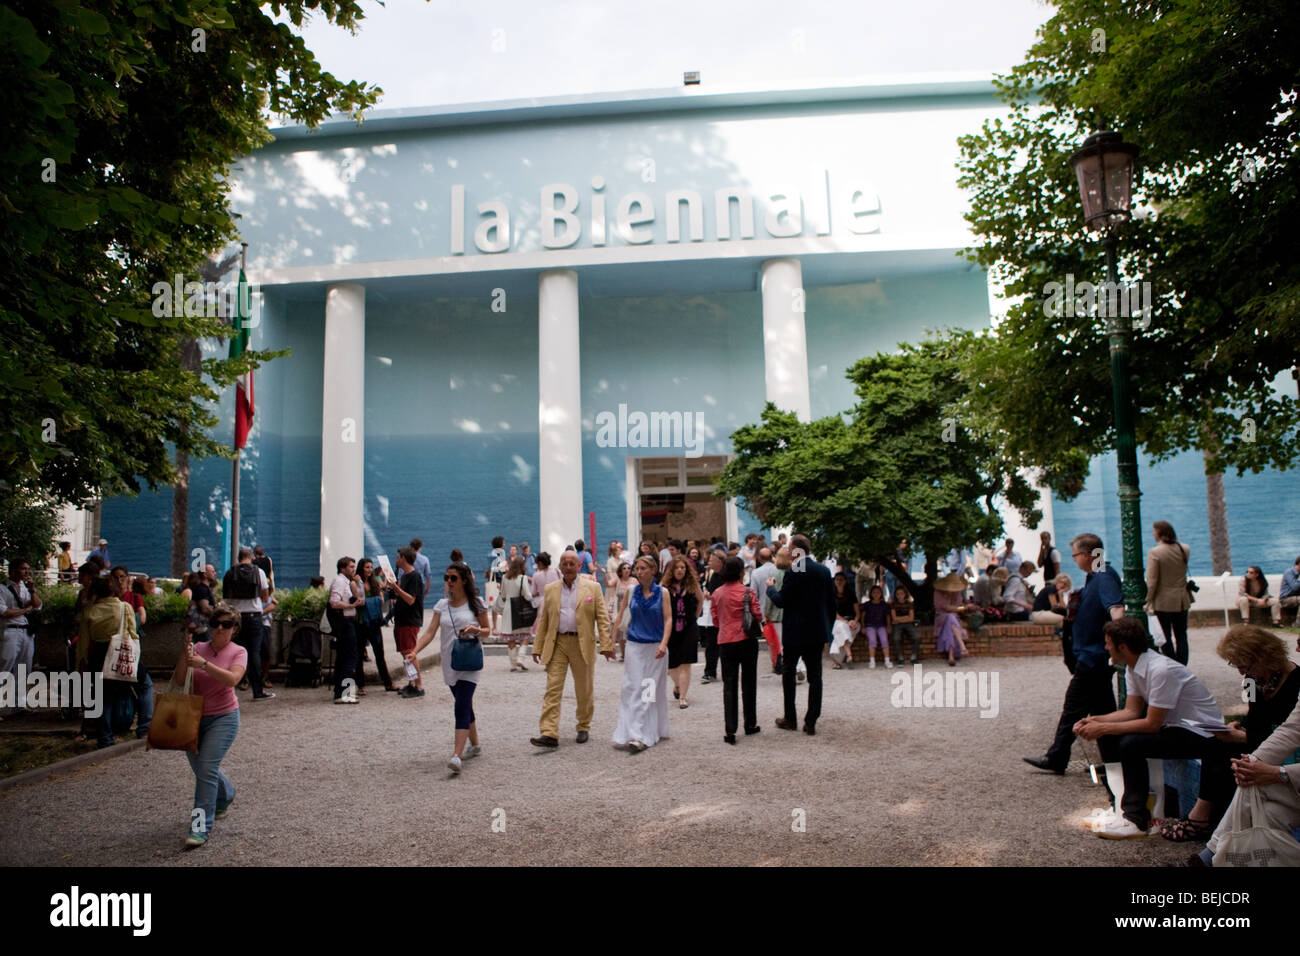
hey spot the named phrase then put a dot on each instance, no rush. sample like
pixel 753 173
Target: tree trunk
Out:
pixel 1217 509
pixel 181 517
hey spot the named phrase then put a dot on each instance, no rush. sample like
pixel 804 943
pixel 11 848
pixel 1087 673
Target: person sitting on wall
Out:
pixel 1288 595
pixel 1182 720
pixel 1052 601
pixel 1017 600
pixel 1253 592
pixel 987 589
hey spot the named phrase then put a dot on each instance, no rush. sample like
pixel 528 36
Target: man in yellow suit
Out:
pixel 573 613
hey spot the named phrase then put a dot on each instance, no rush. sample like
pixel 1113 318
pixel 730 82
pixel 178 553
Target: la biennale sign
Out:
pixel 634 217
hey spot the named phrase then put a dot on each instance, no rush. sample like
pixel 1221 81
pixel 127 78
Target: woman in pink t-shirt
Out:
pixel 219 665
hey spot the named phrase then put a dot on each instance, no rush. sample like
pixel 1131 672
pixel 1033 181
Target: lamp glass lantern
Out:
pixel 1104 168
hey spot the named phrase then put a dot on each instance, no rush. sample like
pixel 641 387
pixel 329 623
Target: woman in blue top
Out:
pixel 643 711
pixel 461 613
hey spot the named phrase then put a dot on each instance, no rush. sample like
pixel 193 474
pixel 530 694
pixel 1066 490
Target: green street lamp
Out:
pixel 1104 167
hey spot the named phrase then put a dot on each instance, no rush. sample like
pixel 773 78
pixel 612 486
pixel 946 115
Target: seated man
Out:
pixel 1288 594
pixel 1015 593
pixel 1182 720
pixel 987 592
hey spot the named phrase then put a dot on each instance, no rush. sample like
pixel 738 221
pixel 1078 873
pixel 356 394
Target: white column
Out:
pixel 633 506
pixel 559 411
pixel 342 460
pixel 785 345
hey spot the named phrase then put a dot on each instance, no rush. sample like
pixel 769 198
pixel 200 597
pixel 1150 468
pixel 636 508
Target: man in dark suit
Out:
pixel 807 595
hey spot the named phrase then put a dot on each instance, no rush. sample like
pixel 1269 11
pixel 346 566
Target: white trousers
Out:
pixel 643 708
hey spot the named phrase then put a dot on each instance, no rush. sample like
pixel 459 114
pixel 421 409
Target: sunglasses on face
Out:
pixel 222 625
pixel 450 577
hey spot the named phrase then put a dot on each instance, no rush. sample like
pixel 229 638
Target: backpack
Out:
pixel 242 582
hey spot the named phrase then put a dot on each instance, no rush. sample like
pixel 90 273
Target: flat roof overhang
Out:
pixel 625 271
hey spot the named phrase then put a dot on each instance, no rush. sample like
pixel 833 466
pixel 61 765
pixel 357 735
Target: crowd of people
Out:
pixel 1168 713
pixel 655 610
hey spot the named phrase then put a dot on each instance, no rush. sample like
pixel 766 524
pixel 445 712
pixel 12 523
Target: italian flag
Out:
pixel 238 344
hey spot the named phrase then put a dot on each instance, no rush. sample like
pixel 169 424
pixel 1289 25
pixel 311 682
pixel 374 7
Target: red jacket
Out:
pixel 728 611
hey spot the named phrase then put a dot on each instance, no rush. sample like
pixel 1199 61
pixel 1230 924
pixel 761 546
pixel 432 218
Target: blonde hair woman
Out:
pixel 515 584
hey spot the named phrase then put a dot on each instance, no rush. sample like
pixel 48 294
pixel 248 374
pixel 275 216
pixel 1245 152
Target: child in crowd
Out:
pixel 875 618
pixel 902 623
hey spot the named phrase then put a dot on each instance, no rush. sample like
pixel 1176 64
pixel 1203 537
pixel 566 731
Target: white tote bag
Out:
pixel 1251 841
pixel 122 662
pixel 1155 630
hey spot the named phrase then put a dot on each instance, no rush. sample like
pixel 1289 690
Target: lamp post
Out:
pixel 1104 167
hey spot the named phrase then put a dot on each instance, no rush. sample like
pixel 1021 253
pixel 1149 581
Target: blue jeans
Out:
pixel 213 790
pixel 143 703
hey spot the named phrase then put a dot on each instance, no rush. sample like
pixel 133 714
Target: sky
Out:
pixel 432 52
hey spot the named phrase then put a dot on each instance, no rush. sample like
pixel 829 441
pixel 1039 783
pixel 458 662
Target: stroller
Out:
pixel 304 657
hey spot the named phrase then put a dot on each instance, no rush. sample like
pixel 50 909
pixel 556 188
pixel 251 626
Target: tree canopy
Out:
pixel 1207 90
pixel 120 124
pixel 903 464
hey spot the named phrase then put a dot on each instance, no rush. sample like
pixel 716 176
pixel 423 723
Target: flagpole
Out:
pixel 234 478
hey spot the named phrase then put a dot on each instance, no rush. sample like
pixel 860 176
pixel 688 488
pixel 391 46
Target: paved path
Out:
pixel 324 785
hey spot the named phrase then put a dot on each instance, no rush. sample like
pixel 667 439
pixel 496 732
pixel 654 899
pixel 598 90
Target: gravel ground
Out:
pixel 326 785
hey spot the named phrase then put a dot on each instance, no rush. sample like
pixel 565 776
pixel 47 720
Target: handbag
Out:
pixel 522 612
pixel 324 625
pixel 122 662
pixel 1251 841
pixel 466 654
pixel 751 625
pixel 176 716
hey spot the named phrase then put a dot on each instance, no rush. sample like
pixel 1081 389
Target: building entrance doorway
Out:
pixel 673 498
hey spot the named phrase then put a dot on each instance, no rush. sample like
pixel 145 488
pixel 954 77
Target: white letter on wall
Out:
pixel 863 202
pixel 694 214
pixel 744 202
pixel 563 212
pixel 788 207
pixel 498 224
pixel 626 223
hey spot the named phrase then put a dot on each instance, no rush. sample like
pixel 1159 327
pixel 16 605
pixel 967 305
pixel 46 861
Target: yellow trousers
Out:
pixel 567 656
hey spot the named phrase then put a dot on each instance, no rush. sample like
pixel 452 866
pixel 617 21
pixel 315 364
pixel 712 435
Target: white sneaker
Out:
pixel 1100 817
pixel 471 750
pixel 871 664
pixel 454 765
pixel 1120 828
pixel 889 664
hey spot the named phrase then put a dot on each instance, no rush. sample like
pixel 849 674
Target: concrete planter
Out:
pixel 159 647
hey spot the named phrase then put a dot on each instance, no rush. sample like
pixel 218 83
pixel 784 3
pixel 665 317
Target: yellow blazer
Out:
pixel 591 616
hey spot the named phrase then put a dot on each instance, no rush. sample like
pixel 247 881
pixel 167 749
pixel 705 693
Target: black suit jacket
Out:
pixel 808 598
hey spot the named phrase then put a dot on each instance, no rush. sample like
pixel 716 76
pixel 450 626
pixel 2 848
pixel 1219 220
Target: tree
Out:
pixel 902 466
pixel 28 529
pixel 121 123
pixel 1207 90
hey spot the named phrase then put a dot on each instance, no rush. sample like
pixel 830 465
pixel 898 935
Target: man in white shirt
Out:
pixel 1010 558
pixel 571 622
pixel 343 605
pixel 1015 593
pixel 1182 720
pixel 17 646
pixel 245 589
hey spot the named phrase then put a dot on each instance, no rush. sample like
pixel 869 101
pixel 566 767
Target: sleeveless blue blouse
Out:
pixel 647 623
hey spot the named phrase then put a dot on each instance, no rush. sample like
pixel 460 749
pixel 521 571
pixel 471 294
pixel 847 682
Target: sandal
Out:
pixel 1187 830
pixel 682 705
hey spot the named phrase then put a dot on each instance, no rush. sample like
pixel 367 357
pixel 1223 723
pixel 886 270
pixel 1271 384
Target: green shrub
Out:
pixel 166 608
pixel 59 606
pixel 300 604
